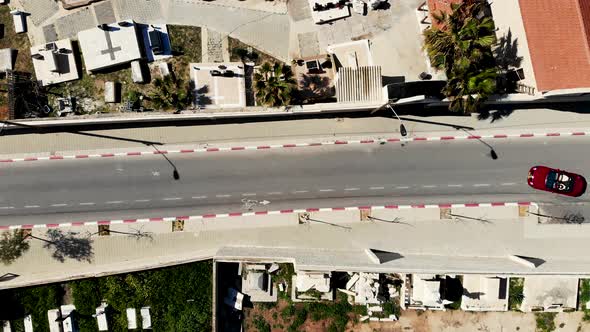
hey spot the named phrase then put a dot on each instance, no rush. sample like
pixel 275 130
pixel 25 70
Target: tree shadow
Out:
pixel 314 87
pixel 506 53
pixel 473 295
pixel 201 98
pixel 68 246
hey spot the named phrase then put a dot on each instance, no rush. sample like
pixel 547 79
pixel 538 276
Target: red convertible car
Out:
pixel 556 181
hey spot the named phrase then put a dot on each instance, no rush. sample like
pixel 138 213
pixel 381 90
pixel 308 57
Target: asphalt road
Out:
pixel 419 172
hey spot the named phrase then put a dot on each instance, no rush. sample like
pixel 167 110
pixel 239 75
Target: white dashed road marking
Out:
pixel 275 193
pixel 326 190
pixel 199 197
pixel 31 206
pixel 6 207
pixel 114 202
pixel 249 194
pixel 481 185
pixel 429 186
pixel 351 189
pixel 142 200
pixel 377 188
pixel 172 198
pixel 508 183
pixel 87 203
pixel 58 205
pixel 223 196
pixel 455 185
pixel 402 187
pixel 300 191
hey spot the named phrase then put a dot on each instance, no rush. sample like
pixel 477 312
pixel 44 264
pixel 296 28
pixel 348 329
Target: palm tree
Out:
pixel 273 84
pixel 170 93
pixel 462 47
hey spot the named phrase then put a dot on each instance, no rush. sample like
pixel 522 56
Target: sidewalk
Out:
pixel 305 132
pixel 424 237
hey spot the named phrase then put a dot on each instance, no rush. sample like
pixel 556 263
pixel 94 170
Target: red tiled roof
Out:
pixel 438 7
pixel 558 35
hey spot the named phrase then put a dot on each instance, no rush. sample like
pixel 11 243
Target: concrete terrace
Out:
pixel 283 30
pixel 421 240
pixel 49 21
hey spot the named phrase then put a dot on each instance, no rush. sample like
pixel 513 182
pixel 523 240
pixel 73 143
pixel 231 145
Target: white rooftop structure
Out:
pixel 351 54
pixel 323 11
pixel 52 316
pixel 257 284
pixel 319 281
pixel 131 318
pixel 363 84
pixel 101 317
pixel 549 293
pixel 164 37
pixel 55 62
pixel 214 90
pixel 7 59
pixel 146 319
pixel 109 45
pixel 28 323
pixel 20 21
pixel 365 287
pixel 6 326
pixel 426 292
pixel 68 323
pixel 484 293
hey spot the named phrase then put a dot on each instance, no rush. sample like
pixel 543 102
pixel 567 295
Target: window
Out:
pixel 559 181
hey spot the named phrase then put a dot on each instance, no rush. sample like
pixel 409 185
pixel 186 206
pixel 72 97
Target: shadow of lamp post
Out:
pixel 402 128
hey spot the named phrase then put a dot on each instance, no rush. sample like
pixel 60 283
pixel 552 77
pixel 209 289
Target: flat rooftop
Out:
pixel 550 293
pixel 352 54
pixel 219 91
pixel 55 62
pixel 484 293
pixel 110 45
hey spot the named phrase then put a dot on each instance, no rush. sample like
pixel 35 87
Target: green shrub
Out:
pixel 545 321
pixel 261 325
pixel 288 312
pixel 300 318
pixel 360 310
pixel 87 298
pixel 516 289
pixel 34 301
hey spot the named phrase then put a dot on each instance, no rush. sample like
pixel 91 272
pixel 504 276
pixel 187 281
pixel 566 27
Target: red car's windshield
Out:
pixel 559 181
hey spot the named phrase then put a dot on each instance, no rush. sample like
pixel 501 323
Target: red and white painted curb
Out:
pixel 298 145
pixel 275 212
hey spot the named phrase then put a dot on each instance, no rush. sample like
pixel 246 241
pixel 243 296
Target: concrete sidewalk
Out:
pixel 426 239
pixel 285 132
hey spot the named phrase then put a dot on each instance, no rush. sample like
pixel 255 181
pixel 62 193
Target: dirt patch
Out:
pixel 238 51
pixel 186 47
pixel 16 41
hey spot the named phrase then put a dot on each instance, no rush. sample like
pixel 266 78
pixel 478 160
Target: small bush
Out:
pixel 545 321
pixel 300 318
pixel 261 325
pixel 516 289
